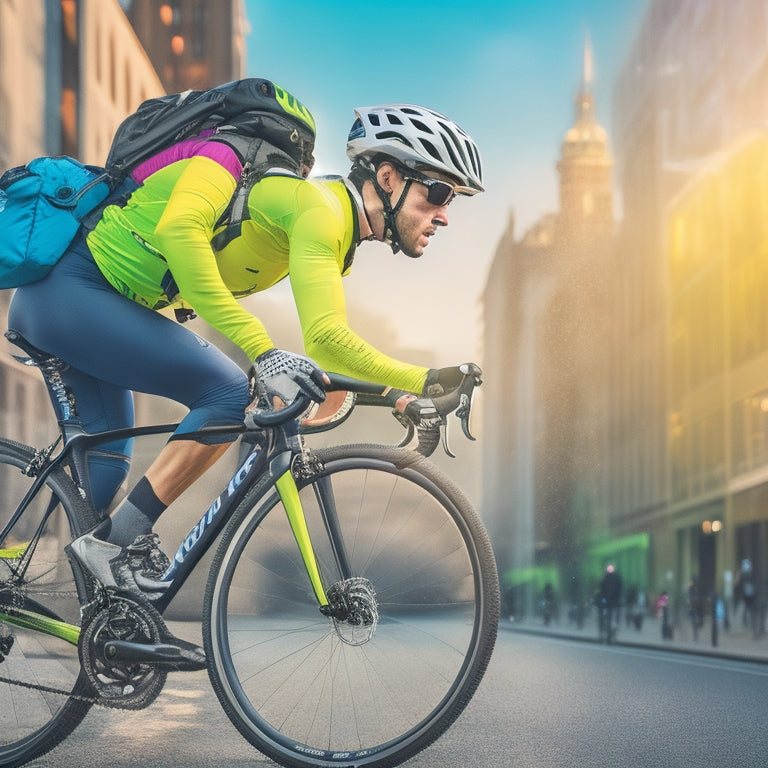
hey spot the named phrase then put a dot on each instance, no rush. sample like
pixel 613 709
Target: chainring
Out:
pixel 125 685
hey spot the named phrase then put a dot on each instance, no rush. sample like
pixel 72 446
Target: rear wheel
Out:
pixel 38 579
pixel 308 690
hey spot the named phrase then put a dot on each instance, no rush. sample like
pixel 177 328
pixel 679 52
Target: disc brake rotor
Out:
pixel 354 610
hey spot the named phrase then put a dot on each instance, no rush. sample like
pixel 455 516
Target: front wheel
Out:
pixel 308 690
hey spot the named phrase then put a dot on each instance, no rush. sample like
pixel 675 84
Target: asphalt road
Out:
pixel 545 703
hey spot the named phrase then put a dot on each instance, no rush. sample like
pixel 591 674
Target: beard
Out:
pixel 410 252
pixel 407 239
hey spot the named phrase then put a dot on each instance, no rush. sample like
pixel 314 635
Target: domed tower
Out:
pixel 586 196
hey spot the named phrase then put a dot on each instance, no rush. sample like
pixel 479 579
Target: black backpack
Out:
pixel 270 130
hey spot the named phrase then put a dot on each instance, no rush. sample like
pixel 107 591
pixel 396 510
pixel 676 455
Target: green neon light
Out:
pixel 289 495
pixel 613 547
pixel 536 575
pixel 53 627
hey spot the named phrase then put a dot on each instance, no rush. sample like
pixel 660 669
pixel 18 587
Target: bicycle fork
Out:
pixel 351 601
pixel 289 495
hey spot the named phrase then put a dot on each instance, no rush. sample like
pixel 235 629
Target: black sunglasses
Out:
pixel 439 193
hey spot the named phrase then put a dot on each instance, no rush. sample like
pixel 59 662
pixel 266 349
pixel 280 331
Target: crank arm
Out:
pixel 161 654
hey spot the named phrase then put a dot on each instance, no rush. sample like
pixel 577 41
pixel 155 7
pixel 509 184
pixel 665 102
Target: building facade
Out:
pixel 691 106
pixel 191 43
pixel 669 438
pixel 546 358
pixel 23 94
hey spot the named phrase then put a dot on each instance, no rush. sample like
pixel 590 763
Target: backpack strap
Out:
pixel 260 159
pixel 118 197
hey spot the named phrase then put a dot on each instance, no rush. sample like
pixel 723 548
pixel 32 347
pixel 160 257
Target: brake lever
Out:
pixel 463 412
pixel 444 438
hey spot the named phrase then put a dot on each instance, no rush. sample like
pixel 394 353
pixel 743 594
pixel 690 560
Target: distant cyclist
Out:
pixel 97 308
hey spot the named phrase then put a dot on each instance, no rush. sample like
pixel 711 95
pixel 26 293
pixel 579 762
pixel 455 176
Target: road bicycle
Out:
pixel 351 606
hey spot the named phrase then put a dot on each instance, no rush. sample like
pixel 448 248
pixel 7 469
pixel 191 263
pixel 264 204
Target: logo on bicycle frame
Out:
pixel 194 535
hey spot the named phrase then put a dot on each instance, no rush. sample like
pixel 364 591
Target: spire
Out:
pixel 588 66
pixel 585 163
pixel 585 99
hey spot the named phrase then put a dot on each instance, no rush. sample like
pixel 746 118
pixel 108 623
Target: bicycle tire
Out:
pixel 286 680
pixel 31 721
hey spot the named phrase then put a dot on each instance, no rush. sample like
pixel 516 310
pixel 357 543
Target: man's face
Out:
pixel 418 219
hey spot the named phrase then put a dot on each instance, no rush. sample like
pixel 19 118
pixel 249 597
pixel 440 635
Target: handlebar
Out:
pixel 264 418
pixel 425 419
pixel 430 415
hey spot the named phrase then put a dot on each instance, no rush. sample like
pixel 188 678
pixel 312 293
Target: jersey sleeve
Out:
pixel 316 282
pixel 183 235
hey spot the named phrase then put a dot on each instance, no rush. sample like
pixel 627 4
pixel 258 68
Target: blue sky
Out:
pixel 506 72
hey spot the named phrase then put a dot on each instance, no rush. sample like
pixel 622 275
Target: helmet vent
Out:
pixel 451 150
pixel 430 147
pixel 393 135
pixel 422 126
pixel 474 156
pixel 374 118
pixel 394 119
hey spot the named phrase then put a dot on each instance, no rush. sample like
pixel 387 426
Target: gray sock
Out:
pixel 136 515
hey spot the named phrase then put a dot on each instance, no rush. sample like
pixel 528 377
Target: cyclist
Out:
pixel 97 308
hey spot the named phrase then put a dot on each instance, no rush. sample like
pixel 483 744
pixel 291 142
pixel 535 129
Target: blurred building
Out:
pixel 191 43
pixel 546 365
pixel 688 443
pixel 23 80
pixel 69 73
pixel 627 402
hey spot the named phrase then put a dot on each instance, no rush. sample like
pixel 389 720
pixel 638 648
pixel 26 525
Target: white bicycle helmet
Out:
pixel 418 138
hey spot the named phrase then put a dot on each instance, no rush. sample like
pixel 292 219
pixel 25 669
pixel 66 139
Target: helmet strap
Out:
pixel 358 176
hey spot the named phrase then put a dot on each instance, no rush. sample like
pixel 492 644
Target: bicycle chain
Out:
pixel 60 692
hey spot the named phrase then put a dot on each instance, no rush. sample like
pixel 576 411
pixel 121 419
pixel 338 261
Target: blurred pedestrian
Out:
pixel 695 606
pixel 611 588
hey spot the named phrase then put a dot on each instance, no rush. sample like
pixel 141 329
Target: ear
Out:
pixel 388 176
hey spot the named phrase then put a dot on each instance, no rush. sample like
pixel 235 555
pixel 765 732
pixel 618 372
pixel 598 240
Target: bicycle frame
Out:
pixel 273 446
pixel 275 458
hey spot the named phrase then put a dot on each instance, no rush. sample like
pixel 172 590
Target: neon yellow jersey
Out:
pixel 298 228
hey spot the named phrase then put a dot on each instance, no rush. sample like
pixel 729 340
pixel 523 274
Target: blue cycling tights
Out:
pixel 115 346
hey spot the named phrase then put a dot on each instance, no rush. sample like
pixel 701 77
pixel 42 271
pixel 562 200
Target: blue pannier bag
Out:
pixel 42 205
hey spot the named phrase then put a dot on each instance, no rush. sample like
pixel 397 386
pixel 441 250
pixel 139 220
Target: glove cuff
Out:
pixel 432 386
